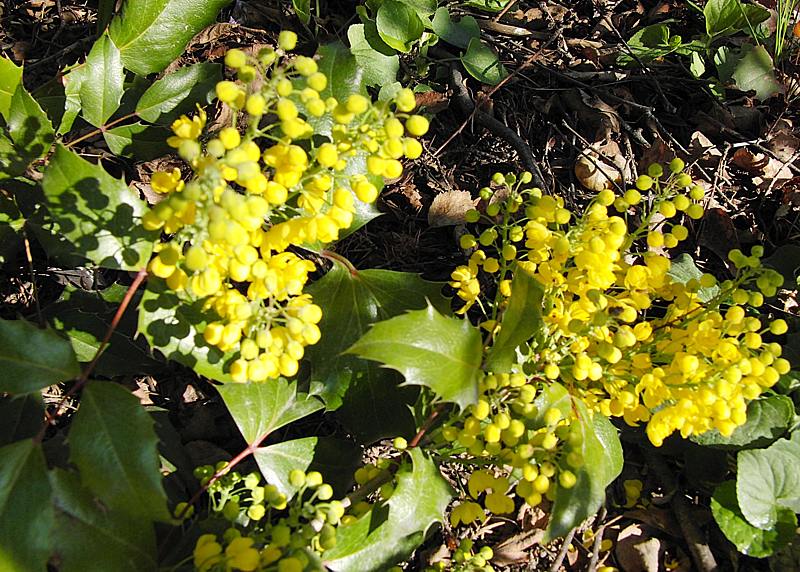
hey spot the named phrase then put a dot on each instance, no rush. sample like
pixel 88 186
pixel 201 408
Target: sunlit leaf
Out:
pixel 178 92
pixel 768 481
pixel 101 95
pixel 482 63
pixel 520 321
pixel 748 539
pixel 260 408
pixel 152 33
pixel 97 213
pixel 389 533
pixel 429 349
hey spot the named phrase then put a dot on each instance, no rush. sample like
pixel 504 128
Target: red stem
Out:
pixel 51 416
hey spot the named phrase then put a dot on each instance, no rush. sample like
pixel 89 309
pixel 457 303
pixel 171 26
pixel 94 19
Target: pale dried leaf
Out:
pixel 450 208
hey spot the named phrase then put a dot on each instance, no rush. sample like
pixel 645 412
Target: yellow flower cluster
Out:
pixel 230 227
pixel 619 329
pixel 283 537
pixel 543 448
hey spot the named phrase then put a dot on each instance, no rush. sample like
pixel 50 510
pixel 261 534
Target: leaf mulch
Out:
pixel 583 120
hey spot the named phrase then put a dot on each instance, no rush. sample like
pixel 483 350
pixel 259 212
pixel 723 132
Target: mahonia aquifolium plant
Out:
pixel 257 528
pixel 618 331
pixel 254 195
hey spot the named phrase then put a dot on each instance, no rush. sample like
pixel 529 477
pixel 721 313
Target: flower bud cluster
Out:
pixel 293 177
pixel 266 531
pixel 466 559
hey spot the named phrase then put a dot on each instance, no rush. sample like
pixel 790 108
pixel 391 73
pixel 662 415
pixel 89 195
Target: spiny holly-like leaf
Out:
pixel 28 127
pixel 88 536
pixel 137 141
pixel 26 511
pixel 768 481
pixel 178 92
pixel 261 408
pixel 482 63
pixel 85 318
pixel 767 419
pixel 520 321
pixel 175 328
pixel 602 454
pixel 20 417
pixel 112 442
pixel 152 33
pixel 379 69
pixel 10 78
pixel 747 538
pixel 97 213
pixel 388 534
pixel 32 358
pixel 429 349
pixel 350 303
pixel 334 458
pixel 100 96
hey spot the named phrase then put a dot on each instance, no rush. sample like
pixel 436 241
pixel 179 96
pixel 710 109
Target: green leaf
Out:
pixel 278 460
pixel 73 81
pixel 457 33
pixel 482 63
pixel 683 269
pixel 260 408
pixel 100 96
pixel 521 320
pixel 138 141
pixel 756 72
pixel 21 417
pixel 309 453
pixel 303 10
pixel 32 358
pixel 26 511
pixel 399 25
pixel 113 444
pixel 10 78
pixel 174 326
pixel 152 33
pixel 97 213
pixel 178 92
pixel 767 419
pixel 389 533
pixel 28 127
pixel 350 304
pixel 421 7
pixel 429 349
pixel 768 481
pixel 727 17
pixel 89 537
pixel 650 43
pixel 379 69
pixel 602 454
pixel 487 5
pixel 747 538
pixel 85 318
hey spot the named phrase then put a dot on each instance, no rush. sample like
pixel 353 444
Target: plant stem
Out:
pixel 102 129
pixel 50 417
